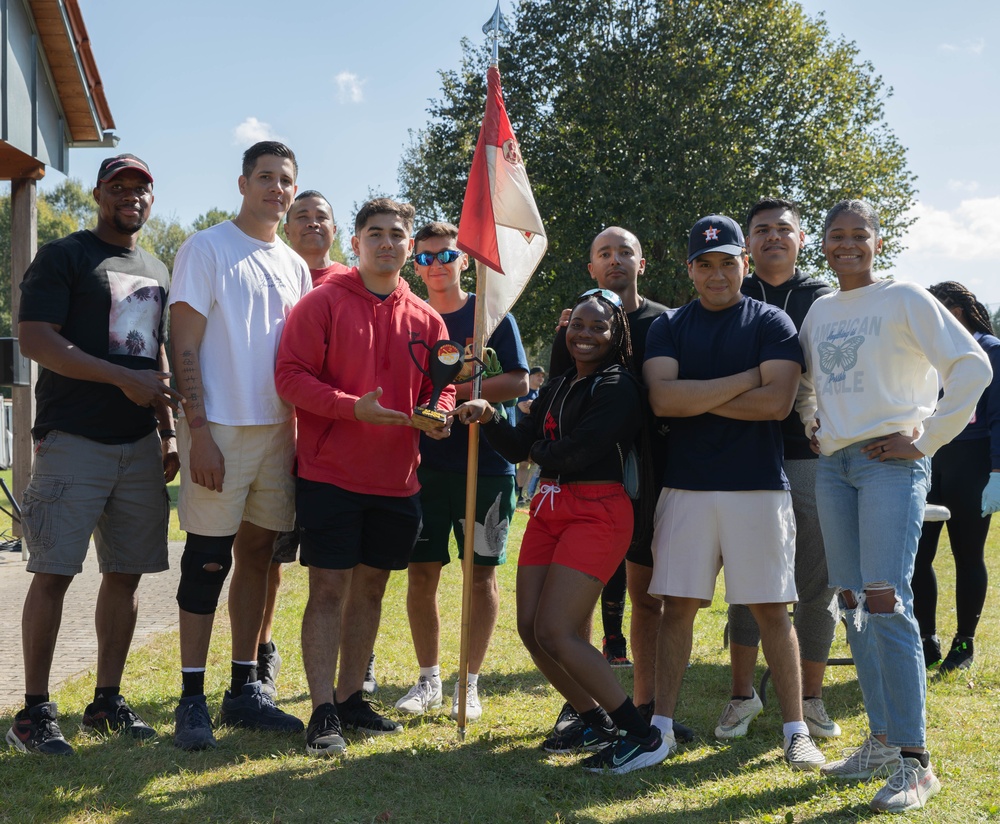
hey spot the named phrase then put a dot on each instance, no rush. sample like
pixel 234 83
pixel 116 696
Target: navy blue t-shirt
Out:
pixel 452 454
pixel 710 452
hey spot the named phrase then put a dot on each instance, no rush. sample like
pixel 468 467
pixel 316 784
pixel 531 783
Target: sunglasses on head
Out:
pixel 607 294
pixel 427 258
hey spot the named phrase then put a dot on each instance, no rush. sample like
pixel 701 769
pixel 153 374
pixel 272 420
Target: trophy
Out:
pixel 443 365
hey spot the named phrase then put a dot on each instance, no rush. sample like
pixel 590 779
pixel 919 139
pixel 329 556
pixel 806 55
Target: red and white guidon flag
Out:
pixel 500 224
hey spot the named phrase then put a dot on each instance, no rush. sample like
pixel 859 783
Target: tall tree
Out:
pixel 651 113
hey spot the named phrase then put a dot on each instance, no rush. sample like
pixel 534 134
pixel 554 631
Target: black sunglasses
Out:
pixel 427 258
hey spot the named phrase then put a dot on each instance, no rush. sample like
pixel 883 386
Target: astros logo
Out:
pixel 711 234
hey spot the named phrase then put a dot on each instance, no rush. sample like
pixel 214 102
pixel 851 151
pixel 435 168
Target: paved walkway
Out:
pixel 76 649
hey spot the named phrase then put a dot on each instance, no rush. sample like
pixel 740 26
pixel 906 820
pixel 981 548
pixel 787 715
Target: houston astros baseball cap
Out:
pixel 120 163
pixel 716 233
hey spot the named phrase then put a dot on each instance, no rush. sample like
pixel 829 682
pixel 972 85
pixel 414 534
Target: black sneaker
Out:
pixel 683 734
pixel 567 717
pixel 357 715
pixel 628 753
pixel 115 717
pixel 193 725
pixel 960 656
pixel 256 710
pixel 576 737
pixel 323 736
pixel 268 667
pixel 36 730
pixel 932 651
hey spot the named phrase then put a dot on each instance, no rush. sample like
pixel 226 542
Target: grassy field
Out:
pixel 498 774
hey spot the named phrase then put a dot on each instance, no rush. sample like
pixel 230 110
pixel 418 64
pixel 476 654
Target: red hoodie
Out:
pixel 339 343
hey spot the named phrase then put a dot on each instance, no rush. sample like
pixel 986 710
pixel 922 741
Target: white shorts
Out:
pixel 749 534
pixel 258 486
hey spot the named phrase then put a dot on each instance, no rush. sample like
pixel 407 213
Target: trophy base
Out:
pixel 428 419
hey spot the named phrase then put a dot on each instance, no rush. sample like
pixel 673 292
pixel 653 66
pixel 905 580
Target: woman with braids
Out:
pixel 869 397
pixel 965 477
pixel 579 431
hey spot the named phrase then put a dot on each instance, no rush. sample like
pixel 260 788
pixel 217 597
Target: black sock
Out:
pixel 34 700
pixel 265 649
pixel 351 700
pixel 809 697
pixel 740 697
pixel 627 718
pixel 192 683
pixel 600 722
pixel 242 674
pixel 104 694
pixel 923 757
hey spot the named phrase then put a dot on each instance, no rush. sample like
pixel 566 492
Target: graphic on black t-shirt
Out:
pixel 134 320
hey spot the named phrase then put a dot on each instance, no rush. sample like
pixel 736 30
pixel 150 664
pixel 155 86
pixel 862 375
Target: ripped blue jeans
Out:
pixel 871 514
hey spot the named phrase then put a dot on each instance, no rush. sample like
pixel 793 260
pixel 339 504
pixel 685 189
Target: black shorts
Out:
pixel 340 529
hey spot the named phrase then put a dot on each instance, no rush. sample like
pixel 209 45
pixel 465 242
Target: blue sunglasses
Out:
pixel 446 257
pixel 607 294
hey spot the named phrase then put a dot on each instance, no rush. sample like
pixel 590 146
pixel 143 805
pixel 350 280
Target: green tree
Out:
pixel 162 237
pixel 211 218
pixel 651 113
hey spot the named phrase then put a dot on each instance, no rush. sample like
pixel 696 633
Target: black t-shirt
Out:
pixel 109 302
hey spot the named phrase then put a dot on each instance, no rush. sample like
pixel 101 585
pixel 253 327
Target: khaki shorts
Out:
pixel 258 487
pixel 114 492
pixel 749 534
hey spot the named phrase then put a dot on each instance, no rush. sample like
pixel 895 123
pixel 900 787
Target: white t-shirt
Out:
pixel 245 288
pixel 871 355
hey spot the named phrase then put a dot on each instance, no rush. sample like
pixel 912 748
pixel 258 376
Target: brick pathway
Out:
pixel 76 649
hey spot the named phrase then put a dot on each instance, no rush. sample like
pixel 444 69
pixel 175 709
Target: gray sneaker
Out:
pixel 193 725
pixel 323 735
pixel 737 715
pixel 819 723
pixel 908 788
pixel 870 759
pixel 370 685
pixel 802 754
pixel 268 667
pixel 425 695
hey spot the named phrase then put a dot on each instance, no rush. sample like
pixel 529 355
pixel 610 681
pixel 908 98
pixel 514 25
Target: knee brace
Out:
pixel 201 584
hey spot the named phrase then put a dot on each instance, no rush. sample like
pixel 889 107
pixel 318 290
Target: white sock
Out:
pixel 663 724
pixel 473 678
pixel 434 673
pixel 793 727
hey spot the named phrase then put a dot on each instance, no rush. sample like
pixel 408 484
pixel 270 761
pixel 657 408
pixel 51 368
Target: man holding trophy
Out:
pixel 345 362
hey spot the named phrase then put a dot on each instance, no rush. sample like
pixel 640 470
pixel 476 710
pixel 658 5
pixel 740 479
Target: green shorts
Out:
pixel 442 498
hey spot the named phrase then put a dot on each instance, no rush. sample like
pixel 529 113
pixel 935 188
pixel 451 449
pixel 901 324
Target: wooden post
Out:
pixel 23 245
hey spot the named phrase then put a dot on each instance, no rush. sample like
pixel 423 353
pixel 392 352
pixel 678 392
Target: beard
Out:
pixel 130 226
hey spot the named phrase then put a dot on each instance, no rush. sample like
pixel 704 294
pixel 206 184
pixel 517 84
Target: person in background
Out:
pixel 965 477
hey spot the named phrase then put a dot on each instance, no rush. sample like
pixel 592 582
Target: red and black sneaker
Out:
pixel 115 717
pixel 614 650
pixel 36 730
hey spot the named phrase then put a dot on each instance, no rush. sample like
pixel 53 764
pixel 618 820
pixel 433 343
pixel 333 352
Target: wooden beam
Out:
pixel 17 164
pixel 23 245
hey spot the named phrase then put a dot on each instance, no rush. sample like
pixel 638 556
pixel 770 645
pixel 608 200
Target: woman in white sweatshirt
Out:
pixel 870 399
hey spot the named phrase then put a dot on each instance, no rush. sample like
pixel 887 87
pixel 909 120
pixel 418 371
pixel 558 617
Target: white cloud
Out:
pixel 252 131
pixel 958 244
pixel 349 87
pixel 967 186
pixel 967 46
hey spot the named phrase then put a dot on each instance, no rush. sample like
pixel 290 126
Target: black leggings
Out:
pixel 959 472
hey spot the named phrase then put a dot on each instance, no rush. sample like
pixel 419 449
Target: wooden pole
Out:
pixel 471 487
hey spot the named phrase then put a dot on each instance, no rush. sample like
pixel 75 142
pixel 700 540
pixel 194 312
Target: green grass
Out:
pixel 498 774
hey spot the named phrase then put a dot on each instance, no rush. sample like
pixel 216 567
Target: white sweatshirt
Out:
pixel 871 355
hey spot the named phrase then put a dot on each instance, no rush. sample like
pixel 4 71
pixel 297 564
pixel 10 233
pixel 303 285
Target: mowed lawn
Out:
pixel 498 774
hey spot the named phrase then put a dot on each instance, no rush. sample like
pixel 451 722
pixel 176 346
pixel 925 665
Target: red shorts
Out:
pixel 586 527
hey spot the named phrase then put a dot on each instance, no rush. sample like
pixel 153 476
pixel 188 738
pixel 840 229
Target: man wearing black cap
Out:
pixel 724 369
pixel 92 316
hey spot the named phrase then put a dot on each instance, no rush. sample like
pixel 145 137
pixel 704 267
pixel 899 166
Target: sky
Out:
pixel 192 84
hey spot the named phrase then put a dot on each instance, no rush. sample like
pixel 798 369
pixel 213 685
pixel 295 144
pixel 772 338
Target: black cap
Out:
pixel 716 233
pixel 120 163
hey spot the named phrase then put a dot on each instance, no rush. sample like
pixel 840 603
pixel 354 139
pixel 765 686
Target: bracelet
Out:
pixel 495 417
pixel 166 434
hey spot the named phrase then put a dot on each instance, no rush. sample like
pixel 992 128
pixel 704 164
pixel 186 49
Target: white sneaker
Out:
pixel 908 788
pixel 819 723
pixel 473 707
pixel 870 759
pixel 737 715
pixel 802 754
pixel 424 695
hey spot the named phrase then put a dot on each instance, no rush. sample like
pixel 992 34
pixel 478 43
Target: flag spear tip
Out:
pixel 493 28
